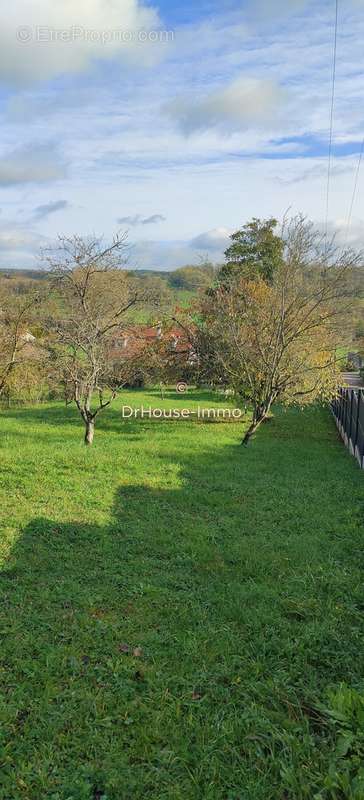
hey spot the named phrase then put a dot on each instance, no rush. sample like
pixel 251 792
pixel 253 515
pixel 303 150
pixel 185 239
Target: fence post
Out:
pixel 350 426
pixel 357 420
pixel 341 407
pixel 345 408
pixel 348 397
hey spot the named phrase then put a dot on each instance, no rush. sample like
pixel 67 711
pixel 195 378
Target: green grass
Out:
pixel 237 572
pixel 178 297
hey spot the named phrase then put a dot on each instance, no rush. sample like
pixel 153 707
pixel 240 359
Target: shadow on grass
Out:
pixel 147 658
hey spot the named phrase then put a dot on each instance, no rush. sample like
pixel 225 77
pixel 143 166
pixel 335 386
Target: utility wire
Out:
pixel 331 119
pixel 356 182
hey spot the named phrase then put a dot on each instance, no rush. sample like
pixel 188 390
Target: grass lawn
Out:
pixel 181 618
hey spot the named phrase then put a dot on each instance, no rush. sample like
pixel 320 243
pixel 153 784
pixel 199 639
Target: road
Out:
pixel 353 380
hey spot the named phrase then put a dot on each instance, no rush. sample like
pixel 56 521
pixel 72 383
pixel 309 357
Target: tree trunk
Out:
pixel 258 418
pixel 261 412
pixel 251 431
pixel 90 432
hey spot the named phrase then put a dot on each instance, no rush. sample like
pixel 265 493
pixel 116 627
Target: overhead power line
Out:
pixel 331 119
pixel 355 189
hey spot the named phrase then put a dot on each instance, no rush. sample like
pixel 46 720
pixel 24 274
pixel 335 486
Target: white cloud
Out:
pixel 38 164
pixel 244 103
pixel 162 255
pixel 121 146
pixel 215 241
pixel 19 245
pixel 346 235
pixel 274 7
pixel 170 255
pixel 45 210
pixel 154 219
pixel 28 52
pixel 317 172
pixel 14 239
pixel 138 219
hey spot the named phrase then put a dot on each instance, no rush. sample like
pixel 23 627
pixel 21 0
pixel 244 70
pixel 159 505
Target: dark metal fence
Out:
pixel 348 410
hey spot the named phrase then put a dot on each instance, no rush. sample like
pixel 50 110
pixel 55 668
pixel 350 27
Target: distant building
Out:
pixel 135 339
pixel 28 337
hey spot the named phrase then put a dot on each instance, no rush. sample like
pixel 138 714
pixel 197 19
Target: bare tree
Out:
pixel 278 341
pixel 95 296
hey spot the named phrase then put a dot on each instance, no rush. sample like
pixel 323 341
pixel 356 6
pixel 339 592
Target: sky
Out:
pixel 176 121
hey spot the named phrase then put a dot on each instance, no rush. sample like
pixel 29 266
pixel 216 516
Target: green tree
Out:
pixel 256 252
pixel 277 342
pixel 192 278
